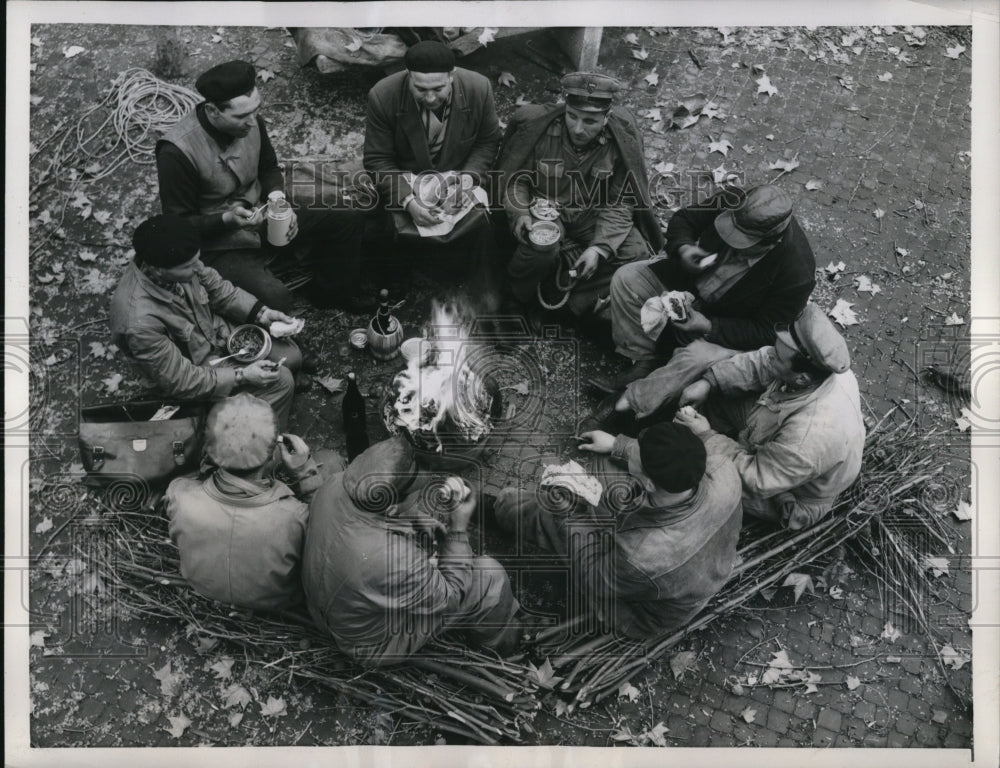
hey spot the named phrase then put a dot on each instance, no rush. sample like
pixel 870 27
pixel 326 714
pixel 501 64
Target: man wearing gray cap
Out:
pixel 746 264
pixel 796 410
pixel 578 165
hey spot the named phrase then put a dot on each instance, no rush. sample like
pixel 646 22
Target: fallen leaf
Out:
pixel 223 668
pixel 720 175
pixel 37 638
pixel 784 165
pixel 544 675
pixel 770 137
pixel 682 662
pixel 964 510
pixel 890 633
pixel 749 715
pixel 235 718
pixel 76 50
pixel 764 86
pixel 87 255
pixel 738 689
pixel 44 526
pixel 938 566
pixel 265 75
pixel 954 319
pixel 652 78
pixel 710 111
pixel 178 725
pixel 953 658
pixel 112 383
pixel 520 388
pixel 878 213
pixel 236 696
pixel 652 114
pixel 768 593
pixel 632 38
pixel 852 682
pixel 655 735
pixel 954 51
pixel 562 708
pixel 843 314
pixel 963 421
pixel 355 45
pixel 832 269
pixel 725 32
pixel 628 691
pixel 507 79
pixel 800 581
pixel 37 42
pixel 35 100
pixel 780 660
pixel 940 716
pixel 812 185
pixel 45 278
pixel 168 680
pixel 771 676
pixel 622 734
pixel 216 38
pixel 846 81
pixel 837 593
pixel 102 217
pixel 865 285
pixel 885 77
pixel 902 252
pixel 274 707
pixel 330 384
pixel 722 147
pixel 642 54
pixel 663 168
pixel 488 35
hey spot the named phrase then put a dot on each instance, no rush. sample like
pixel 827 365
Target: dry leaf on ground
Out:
pixel 764 85
pixel 963 511
pixel 178 724
pixel 843 314
pixel 682 662
pixel 642 54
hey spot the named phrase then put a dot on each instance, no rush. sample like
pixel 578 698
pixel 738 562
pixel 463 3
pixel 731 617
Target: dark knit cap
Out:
pixel 672 456
pixel 429 56
pixel 165 241
pixel 227 81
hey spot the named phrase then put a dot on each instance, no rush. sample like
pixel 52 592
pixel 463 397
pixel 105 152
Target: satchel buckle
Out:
pixel 178 446
pixel 97 452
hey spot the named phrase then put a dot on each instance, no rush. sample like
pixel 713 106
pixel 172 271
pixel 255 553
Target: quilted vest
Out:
pixel 228 176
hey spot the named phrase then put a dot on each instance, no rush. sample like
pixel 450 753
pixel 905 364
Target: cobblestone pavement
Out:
pixel 864 143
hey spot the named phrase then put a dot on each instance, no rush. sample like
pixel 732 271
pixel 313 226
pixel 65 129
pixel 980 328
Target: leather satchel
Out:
pixel 118 440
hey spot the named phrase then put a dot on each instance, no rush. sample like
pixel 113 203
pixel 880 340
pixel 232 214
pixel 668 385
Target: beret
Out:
pixel 672 456
pixel 165 241
pixel 429 56
pixel 227 81
pixel 240 432
pixel 590 90
pixel 819 340
pixel 378 478
pixel 764 212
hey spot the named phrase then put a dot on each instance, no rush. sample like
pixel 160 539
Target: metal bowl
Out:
pixel 358 338
pixel 257 335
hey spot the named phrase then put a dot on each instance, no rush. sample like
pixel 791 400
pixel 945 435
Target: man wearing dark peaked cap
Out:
pixel 795 412
pixel 217 168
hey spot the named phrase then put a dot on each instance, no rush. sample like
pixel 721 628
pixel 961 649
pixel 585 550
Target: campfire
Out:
pixel 440 398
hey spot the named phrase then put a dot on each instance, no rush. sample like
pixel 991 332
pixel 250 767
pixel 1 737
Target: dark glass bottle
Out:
pixel 383 320
pixel 355 426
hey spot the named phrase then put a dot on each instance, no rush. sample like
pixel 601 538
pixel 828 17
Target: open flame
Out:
pixel 439 386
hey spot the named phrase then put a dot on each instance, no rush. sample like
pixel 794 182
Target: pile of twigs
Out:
pixel 489 700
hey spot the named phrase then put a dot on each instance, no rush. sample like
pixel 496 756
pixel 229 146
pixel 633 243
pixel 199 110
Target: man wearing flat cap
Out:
pixel 744 260
pixel 431 135
pixel 795 412
pixel 240 531
pixel 368 570
pixel 581 165
pixel 661 541
pixel 217 168
pixel 170 315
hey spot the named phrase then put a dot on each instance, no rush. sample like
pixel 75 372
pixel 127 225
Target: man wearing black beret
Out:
pixel 439 120
pixel 217 168
pixel 170 315
pixel 661 541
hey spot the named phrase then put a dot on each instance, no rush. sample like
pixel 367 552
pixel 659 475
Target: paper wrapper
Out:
pixel 656 312
pixel 573 477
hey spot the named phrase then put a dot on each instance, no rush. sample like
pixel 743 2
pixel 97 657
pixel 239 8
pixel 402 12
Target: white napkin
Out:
pixel 574 478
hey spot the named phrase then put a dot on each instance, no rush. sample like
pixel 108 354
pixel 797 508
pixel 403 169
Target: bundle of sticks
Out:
pixel 486 699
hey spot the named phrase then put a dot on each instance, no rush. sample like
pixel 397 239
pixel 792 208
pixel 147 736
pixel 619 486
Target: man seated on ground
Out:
pixel 171 315
pixel 582 160
pixel 748 264
pixel 797 412
pixel 240 530
pixel 217 167
pixel 369 576
pixel 661 542
pixel 436 118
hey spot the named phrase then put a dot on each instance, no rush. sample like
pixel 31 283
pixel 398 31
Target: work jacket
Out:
pixel 805 446
pixel 170 336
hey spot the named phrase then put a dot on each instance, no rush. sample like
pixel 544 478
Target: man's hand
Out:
pixel 461 515
pixel 422 215
pixel 696 323
pixel 587 263
pixel 240 218
pixel 597 442
pixel 694 258
pixel 694 421
pixel 268 316
pixel 260 373
pixel 521 228
pixel 696 393
pixel 293 451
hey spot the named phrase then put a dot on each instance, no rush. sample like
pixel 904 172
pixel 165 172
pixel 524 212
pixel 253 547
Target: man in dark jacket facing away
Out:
pixel 662 540
pixel 585 158
pixel 438 118
pixel 368 573
pixel 748 264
